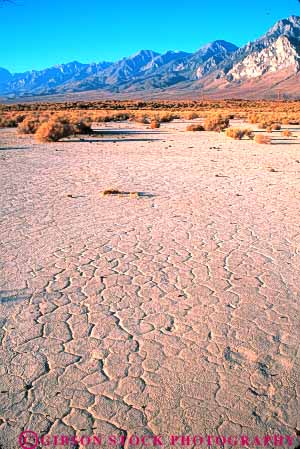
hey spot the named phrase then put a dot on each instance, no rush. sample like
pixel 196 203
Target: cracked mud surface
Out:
pixel 172 313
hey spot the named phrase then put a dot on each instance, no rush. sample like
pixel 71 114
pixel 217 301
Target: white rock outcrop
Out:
pixel 279 55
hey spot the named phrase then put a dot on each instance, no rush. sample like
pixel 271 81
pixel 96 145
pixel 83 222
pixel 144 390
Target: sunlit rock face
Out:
pixel 279 55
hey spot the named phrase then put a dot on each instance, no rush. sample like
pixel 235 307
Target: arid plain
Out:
pixel 174 311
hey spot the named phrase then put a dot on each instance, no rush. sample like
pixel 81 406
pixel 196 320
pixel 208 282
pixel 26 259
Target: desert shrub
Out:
pixel 239 133
pixel 119 117
pixel 195 128
pixel 8 122
pixel 19 118
pixel 154 124
pixel 112 191
pixel 275 127
pixel 28 126
pixel 286 133
pixel 54 130
pixel 217 123
pixel 166 118
pixel 263 125
pixel 111 117
pixel 192 116
pixel 82 125
pixel 254 118
pixel 144 119
pixel 98 118
pixel 262 139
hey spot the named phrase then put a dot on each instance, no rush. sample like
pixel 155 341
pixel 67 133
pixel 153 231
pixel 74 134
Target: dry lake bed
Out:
pixel 171 312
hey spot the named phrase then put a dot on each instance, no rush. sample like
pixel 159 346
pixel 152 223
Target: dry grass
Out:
pixel 104 117
pixel 195 128
pixel 262 139
pixel 286 133
pixel 216 123
pixel 276 127
pixel 166 118
pixel 255 111
pixel 154 124
pixel 8 122
pixel 28 126
pixel 112 191
pixel 81 125
pixel 239 133
pixel 263 125
pixel 141 118
pixel 253 118
pixel 60 126
pixel 192 115
pixel 55 130
pixel 215 114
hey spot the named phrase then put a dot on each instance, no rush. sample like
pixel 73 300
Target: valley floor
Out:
pixel 175 312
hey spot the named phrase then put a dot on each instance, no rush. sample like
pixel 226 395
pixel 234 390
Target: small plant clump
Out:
pixel 192 116
pixel 28 126
pixel 195 128
pixel 263 125
pixel 142 118
pixel 8 122
pixel 111 191
pixel 262 139
pixel 218 123
pixel 239 133
pixel 276 127
pixel 57 128
pixel 154 124
pixel 253 118
pixel 293 122
pixel 286 133
pixel 82 125
pixel 166 118
pixel 11 120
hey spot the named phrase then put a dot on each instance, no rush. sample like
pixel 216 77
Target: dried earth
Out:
pixel 176 312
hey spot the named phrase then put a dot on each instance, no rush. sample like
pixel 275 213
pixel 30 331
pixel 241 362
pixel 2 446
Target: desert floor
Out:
pixel 175 312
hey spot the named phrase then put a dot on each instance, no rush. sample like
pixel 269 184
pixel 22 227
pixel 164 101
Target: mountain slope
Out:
pixel 287 27
pixel 145 69
pixel 264 67
pixel 279 55
pixel 177 68
pixel 267 67
pixel 49 79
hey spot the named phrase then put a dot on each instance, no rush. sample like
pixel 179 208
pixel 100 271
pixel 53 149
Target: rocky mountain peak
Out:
pixel 218 47
pixel 280 55
pixel 288 27
pixel 143 55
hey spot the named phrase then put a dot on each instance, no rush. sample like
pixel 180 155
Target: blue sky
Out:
pixel 35 34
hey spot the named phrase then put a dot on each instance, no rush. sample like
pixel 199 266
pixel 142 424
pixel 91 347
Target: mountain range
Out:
pixel 266 68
